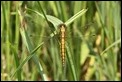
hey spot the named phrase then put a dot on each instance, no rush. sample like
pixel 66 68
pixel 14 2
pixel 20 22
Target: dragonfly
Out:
pixel 62 37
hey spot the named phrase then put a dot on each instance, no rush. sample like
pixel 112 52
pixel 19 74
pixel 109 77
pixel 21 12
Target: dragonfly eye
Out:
pixel 60 25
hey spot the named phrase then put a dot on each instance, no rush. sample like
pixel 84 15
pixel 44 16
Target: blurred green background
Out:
pixel 88 57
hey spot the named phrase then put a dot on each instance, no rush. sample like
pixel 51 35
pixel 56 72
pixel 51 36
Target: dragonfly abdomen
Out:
pixel 62 41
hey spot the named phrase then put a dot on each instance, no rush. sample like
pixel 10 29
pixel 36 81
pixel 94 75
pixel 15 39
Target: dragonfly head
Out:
pixel 62 27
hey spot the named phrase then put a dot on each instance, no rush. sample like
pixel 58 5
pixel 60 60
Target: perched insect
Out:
pixel 62 35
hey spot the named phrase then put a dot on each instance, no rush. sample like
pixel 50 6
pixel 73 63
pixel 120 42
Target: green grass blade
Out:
pixel 33 55
pixel 113 44
pixel 27 42
pixel 55 21
pixel 70 60
pixel 77 15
